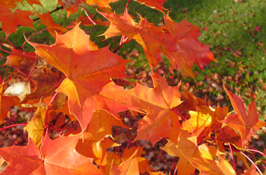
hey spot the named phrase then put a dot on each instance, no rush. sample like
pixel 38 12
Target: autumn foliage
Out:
pixel 80 91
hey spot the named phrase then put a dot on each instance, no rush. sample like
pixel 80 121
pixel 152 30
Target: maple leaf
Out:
pixel 86 68
pixel 156 4
pixel 156 173
pixel 158 103
pixel 127 167
pixel 6 102
pixel 183 165
pixel 36 125
pixel 191 157
pixel 94 135
pixel 58 108
pixel 101 124
pixel 192 103
pixel 11 3
pixel 52 27
pixel 227 135
pixel 242 121
pixel 96 150
pixel 177 41
pixel 61 159
pixel 44 80
pixel 197 123
pixel 22 61
pixel 252 170
pixel 10 20
pixel 126 164
pixel 71 6
pixel 102 4
pixel 2 161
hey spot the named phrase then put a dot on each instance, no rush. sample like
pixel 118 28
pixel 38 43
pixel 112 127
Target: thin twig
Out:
pixel 14 125
pixel 251 162
pixel 232 154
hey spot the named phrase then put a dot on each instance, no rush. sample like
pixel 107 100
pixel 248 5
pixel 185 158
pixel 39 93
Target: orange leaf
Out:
pixel 10 20
pixel 190 154
pixel 86 68
pixel 36 127
pixel 197 123
pixel 61 159
pixel 227 135
pixel 156 173
pixel 52 27
pixel 94 135
pixel 128 163
pixel 241 121
pixel 101 124
pixel 177 41
pixel 158 103
pixel 128 167
pixel 11 3
pixel 44 81
pixel 102 4
pixel 156 4
pixel 6 102
pixel 183 165
pixel 70 6
pixel 24 61
pixel 252 170
pixel 199 118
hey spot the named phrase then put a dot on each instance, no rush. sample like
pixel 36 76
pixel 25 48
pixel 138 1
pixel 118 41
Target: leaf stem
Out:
pixel 251 162
pixel 32 36
pixel 122 42
pixel 8 42
pixel 17 53
pixel 232 155
pixel 3 82
pixel 94 23
pixel 14 125
pixel 48 107
pixel 175 172
pixel 257 151
pixel 125 11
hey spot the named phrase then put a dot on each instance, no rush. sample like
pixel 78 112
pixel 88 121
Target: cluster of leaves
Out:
pixel 234 30
pixel 79 93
